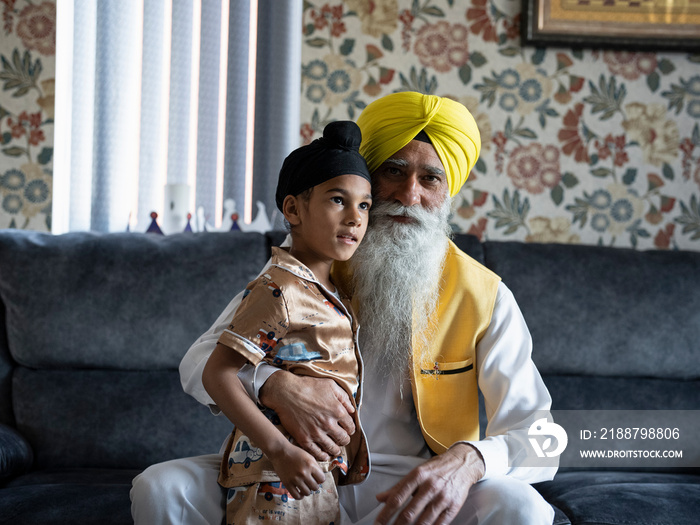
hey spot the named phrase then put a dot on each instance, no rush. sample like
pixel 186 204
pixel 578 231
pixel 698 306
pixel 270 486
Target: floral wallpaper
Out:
pixel 27 66
pixel 578 146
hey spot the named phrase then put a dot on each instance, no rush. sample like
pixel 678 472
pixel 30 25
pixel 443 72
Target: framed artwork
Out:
pixel 655 25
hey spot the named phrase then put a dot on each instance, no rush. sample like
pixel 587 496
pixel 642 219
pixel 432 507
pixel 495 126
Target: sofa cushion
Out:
pixel 6 367
pixel 15 453
pixel 122 301
pixel 580 394
pixel 559 517
pixel 625 497
pixel 103 476
pixel 616 393
pixel 111 419
pixel 606 311
pixel 87 497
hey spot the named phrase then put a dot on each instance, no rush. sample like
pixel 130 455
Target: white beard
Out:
pixel 397 271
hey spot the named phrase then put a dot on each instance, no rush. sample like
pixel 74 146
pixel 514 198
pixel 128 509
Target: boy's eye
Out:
pixel 337 200
pixel 365 205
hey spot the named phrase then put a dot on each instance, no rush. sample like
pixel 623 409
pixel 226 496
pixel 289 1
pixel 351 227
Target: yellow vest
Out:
pixel 445 393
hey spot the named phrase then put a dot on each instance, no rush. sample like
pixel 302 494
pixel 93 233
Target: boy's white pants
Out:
pixel 186 492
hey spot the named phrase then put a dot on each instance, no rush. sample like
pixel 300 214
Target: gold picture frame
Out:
pixel 632 24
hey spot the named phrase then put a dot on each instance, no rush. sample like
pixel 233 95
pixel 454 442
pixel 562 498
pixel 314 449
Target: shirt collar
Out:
pixel 283 259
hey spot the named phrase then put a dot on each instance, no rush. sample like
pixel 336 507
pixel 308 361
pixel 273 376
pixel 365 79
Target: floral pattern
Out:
pixel 578 146
pixel 442 46
pixel 27 62
pixel 37 27
pixel 534 168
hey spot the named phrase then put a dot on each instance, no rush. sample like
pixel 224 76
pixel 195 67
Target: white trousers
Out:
pixel 186 492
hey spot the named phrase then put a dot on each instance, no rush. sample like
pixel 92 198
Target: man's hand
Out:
pixel 316 412
pixel 435 491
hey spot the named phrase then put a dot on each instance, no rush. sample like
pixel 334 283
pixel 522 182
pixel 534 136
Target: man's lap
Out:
pixel 182 491
pixel 186 491
pixel 495 500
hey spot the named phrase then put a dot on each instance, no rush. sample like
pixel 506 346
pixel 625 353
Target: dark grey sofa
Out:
pixel 94 326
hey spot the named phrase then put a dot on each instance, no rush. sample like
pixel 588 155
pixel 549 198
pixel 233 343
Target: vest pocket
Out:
pixel 457 367
pixel 448 403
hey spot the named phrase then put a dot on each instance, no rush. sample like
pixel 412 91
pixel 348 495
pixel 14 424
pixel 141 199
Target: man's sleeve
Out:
pixel 511 386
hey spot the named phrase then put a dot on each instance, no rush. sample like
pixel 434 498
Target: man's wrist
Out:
pixel 471 459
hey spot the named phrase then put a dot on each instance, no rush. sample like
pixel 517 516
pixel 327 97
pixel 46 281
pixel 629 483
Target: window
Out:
pixel 172 106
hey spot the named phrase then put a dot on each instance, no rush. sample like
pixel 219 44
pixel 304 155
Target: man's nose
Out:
pixel 407 192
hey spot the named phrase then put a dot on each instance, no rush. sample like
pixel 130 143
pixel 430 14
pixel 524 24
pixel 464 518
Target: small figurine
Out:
pixel 154 228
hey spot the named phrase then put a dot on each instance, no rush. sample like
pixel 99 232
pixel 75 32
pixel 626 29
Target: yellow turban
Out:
pixel 391 122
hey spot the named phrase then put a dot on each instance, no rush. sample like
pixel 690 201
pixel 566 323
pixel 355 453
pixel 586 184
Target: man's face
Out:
pixel 413 176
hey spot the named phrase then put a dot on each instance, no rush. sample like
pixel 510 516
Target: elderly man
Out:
pixel 436 326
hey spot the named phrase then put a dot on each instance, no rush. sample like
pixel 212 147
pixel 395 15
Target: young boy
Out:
pixel 293 317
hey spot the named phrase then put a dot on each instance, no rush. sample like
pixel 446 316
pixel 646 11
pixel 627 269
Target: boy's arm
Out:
pixel 297 469
pixel 320 428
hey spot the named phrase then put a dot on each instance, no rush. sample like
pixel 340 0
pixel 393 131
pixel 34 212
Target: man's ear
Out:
pixel 291 211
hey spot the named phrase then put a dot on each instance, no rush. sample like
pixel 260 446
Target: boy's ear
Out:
pixel 290 210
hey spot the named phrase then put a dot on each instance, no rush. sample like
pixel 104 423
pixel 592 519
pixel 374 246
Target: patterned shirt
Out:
pixel 288 319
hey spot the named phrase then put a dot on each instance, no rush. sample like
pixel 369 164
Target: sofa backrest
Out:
pixel 612 328
pixel 96 326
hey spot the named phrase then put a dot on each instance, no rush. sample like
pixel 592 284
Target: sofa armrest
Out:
pixel 16 456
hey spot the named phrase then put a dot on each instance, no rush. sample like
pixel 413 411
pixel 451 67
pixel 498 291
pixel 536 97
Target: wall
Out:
pixel 579 146
pixel 27 72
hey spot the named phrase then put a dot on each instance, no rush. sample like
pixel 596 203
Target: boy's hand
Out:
pixel 316 412
pixel 298 470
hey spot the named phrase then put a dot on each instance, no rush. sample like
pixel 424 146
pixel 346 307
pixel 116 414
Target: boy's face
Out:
pixel 332 222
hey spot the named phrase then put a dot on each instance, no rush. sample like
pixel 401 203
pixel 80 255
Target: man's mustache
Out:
pixel 391 209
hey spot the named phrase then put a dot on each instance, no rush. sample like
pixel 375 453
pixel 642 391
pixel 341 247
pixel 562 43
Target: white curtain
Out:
pixel 172 106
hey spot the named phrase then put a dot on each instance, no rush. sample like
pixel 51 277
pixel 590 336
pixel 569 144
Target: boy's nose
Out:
pixel 353 218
